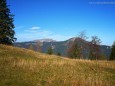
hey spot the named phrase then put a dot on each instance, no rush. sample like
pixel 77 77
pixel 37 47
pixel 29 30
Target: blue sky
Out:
pixel 63 19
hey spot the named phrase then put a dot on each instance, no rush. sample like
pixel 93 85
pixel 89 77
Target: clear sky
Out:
pixel 63 19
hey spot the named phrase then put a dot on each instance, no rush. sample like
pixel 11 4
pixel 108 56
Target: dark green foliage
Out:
pixel 74 51
pixel 50 51
pixel 112 56
pixel 91 54
pixel 6 24
pixel 59 54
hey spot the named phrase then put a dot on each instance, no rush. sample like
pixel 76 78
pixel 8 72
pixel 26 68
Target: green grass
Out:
pixel 22 67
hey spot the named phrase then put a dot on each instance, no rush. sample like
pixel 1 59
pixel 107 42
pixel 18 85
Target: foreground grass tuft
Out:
pixel 22 67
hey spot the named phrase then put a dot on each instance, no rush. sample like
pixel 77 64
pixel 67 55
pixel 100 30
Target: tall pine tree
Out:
pixel 112 56
pixel 6 24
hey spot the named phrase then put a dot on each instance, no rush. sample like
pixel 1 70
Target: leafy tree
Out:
pixel 112 56
pixel 94 46
pixel 77 48
pixel 50 51
pixel 82 35
pixel 95 40
pixel 6 24
pixel 73 51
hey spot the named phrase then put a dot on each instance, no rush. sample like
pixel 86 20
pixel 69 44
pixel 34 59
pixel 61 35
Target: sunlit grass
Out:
pixel 22 67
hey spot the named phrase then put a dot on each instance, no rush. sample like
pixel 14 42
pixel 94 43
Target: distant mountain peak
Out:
pixel 45 40
pixel 74 38
pixel 71 39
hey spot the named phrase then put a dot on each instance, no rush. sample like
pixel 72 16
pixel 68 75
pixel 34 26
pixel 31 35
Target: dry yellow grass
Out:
pixel 22 67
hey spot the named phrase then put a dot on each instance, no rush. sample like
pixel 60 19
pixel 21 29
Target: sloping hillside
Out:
pixel 22 67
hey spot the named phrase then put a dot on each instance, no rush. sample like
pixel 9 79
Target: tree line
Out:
pixel 80 48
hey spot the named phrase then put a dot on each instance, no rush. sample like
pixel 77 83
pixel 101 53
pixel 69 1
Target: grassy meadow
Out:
pixel 22 67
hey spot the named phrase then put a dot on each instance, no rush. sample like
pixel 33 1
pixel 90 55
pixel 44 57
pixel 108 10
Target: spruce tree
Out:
pixel 6 24
pixel 112 56
pixel 50 51
pixel 74 51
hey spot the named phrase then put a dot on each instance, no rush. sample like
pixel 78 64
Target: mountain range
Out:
pixel 58 46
